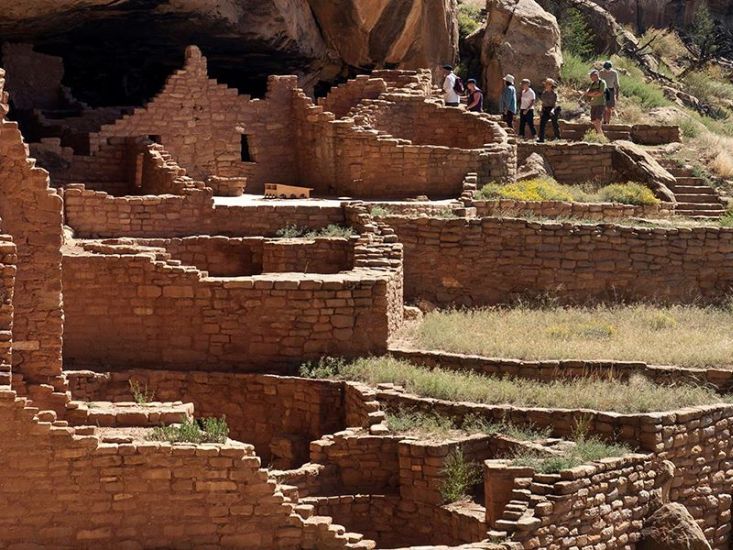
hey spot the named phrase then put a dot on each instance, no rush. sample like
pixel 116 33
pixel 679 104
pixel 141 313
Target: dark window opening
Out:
pixel 246 154
pixel 155 138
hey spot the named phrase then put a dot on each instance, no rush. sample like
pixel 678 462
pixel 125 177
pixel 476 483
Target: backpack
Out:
pixel 458 86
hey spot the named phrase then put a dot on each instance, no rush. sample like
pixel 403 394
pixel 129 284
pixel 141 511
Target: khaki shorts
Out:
pixel 596 112
pixel 611 101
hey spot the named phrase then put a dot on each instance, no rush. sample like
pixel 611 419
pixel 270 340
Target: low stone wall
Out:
pixel 489 261
pixel 344 97
pixel 602 211
pixel 275 406
pixel 96 214
pixel 8 260
pixel 132 310
pixel 551 370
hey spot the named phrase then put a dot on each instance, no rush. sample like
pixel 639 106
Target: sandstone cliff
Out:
pixel 643 14
pixel 245 40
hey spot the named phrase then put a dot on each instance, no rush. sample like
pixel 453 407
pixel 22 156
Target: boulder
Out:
pixel 635 164
pixel 672 527
pixel 519 38
pixel 536 166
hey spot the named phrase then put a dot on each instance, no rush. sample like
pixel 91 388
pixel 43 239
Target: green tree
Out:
pixel 702 31
pixel 577 37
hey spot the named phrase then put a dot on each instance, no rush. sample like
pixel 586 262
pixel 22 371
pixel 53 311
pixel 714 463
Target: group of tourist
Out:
pixel 602 95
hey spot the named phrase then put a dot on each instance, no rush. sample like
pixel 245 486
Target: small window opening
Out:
pixel 155 139
pixel 246 154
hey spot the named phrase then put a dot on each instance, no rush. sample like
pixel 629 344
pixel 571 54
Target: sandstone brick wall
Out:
pixel 141 493
pixel 575 162
pixel 426 122
pixel 602 505
pixel 559 209
pixel 161 175
pixel 8 260
pixel 96 214
pixel 695 439
pixel 274 406
pixel 129 309
pixel 31 214
pixel 649 134
pixel 200 122
pixel 489 261
pixel 344 97
pixel 337 158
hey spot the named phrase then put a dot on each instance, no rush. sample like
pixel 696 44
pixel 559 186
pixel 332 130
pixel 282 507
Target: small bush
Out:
pixel 403 421
pixel 290 232
pixel 529 190
pixel 331 230
pixel 459 477
pixel 326 367
pixel 574 70
pixel 727 219
pixel 628 193
pixel 664 43
pixel 591 136
pixel 585 450
pixel 140 394
pixel 380 211
pixel 206 430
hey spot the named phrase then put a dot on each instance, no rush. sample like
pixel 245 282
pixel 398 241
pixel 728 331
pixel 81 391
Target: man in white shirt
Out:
pixel 526 108
pixel 450 95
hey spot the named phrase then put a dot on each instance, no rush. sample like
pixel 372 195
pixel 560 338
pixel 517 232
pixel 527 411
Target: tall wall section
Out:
pixel 32 214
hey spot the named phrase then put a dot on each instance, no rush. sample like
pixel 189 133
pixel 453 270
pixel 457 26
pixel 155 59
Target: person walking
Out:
pixel 526 108
pixel 610 76
pixel 475 100
pixel 596 93
pixel 550 109
pixel 452 87
pixel 508 101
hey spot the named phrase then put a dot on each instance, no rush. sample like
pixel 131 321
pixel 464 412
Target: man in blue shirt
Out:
pixel 508 101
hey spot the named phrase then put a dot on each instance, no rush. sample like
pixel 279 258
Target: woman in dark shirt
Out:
pixel 550 109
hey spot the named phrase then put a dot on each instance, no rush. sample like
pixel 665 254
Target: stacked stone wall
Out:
pixel 8 259
pixel 489 261
pixel 129 309
pixel 341 99
pixel 274 406
pixel 96 214
pixel 31 214
pixel 559 209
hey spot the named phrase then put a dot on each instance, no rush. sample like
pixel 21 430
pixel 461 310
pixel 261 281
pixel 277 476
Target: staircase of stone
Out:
pixel 576 131
pixel 324 524
pixel 695 198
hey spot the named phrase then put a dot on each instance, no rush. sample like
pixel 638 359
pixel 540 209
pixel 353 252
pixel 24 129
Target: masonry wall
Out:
pixel 274 407
pixel 8 260
pixel 579 210
pixel 200 122
pixel 488 261
pixel 129 310
pixel 96 214
pixel 341 99
pixel 31 214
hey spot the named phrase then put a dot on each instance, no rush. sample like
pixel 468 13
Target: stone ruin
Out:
pixel 143 255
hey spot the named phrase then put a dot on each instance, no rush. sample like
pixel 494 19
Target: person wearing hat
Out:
pixel 526 108
pixel 508 101
pixel 610 76
pixel 596 93
pixel 452 87
pixel 475 100
pixel 550 109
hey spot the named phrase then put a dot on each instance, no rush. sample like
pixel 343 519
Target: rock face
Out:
pixel 672 527
pixel 522 39
pixel 643 14
pixel 244 40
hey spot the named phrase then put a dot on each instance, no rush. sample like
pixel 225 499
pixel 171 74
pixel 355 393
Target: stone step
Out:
pixel 693 190
pixel 691 180
pixel 698 198
pixel 106 414
pixel 712 206
pixel 305 511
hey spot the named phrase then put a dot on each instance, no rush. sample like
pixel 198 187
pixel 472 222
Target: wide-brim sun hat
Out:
pixel 551 82
pixel 526 81
pixel 509 78
pixel 592 71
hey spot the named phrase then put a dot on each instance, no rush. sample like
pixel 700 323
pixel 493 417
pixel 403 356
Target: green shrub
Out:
pixel 459 477
pixel 727 219
pixel 577 37
pixel 529 190
pixel 628 193
pixel 591 136
pixel 325 367
pixel 574 70
pixel 331 230
pixel 468 20
pixel 380 211
pixel 206 430
pixel 140 394
pixel 702 31
pixel 290 232
pixel 585 450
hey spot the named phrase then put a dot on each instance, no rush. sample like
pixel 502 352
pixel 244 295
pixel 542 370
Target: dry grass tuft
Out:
pixel 691 336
